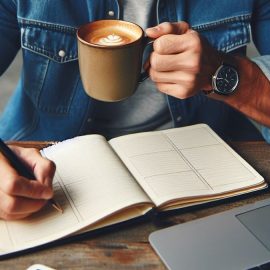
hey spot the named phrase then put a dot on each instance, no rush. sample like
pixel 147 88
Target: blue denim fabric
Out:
pixel 49 102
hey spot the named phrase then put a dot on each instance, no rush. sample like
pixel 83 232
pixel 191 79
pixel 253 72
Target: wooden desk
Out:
pixel 127 247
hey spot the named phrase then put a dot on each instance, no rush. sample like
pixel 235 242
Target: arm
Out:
pixel 183 63
pixel 9 33
pixel 253 95
pixel 20 197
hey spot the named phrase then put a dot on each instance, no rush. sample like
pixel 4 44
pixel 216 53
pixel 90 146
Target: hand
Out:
pixel 20 197
pixel 182 62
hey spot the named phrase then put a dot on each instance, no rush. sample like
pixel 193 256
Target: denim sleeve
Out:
pixel 261 34
pixel 9 33
pixel 261 38
pixel 260 26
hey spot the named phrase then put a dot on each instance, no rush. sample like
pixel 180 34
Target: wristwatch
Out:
pixel 225 80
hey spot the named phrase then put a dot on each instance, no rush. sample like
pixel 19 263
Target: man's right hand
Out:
pixel 20 197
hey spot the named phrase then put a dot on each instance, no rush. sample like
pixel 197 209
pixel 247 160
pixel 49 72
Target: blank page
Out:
pixel 184 162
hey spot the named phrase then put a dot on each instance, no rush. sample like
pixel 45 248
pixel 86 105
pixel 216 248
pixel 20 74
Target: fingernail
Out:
pixel 156 29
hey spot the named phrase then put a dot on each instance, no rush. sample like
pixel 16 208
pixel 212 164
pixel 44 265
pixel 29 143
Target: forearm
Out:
pixel 183 64
pixel 252 97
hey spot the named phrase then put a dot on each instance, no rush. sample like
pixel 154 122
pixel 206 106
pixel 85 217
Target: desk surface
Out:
pixel 127 247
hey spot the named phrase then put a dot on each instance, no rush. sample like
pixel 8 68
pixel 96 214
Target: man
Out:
pixel 197 62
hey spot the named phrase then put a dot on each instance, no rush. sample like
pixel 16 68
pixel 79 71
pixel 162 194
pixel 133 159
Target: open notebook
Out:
pixel 98 183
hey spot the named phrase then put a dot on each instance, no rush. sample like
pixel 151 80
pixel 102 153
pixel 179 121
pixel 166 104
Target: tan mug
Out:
pixel 110 58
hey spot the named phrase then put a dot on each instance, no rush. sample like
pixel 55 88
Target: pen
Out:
pixel 21 169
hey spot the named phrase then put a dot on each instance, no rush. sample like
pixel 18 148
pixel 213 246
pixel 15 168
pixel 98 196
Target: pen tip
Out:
pixel 57 207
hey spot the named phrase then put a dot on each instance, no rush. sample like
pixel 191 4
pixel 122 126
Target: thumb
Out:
pixel 167 28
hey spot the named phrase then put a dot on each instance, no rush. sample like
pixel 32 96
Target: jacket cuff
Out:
pixel 265 131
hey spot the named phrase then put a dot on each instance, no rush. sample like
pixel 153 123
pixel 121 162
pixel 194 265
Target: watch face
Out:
pixel 225 80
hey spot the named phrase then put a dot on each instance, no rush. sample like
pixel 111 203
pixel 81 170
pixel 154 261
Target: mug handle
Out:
pixel 146 42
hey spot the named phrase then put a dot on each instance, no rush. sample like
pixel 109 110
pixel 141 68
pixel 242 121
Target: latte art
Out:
pixel 111 40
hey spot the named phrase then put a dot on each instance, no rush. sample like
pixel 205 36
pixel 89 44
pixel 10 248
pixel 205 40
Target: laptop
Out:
pixel 235 239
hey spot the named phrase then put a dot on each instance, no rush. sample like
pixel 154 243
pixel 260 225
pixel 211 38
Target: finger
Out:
pixel 184 61
pixel 6 216
pixel 176 77
pixel 18 205
pixel 44 171
pixel 42 168
pixel 20 186
pixel 175 90
pixel 167 28
pixel 14 185
pixel 172 44
pixel 191 83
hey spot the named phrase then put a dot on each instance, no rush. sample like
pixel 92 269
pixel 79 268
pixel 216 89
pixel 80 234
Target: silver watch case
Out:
pixel 219 71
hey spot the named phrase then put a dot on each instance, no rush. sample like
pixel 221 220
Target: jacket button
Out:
pixel 61 53
pixel 111 13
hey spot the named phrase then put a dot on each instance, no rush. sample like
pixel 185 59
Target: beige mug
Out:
pixel 110 58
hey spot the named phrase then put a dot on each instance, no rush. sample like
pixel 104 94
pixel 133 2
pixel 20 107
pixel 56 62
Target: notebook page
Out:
pixel 184 162
pixel 90 184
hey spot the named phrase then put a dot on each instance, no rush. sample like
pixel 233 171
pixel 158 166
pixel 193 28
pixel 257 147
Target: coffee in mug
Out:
pixel 110 58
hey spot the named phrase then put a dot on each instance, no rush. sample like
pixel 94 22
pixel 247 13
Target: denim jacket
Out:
pixel 49 102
